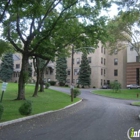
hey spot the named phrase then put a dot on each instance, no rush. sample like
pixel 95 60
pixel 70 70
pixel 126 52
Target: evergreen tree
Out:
pixel 84 72
pixel 61 73
pixel 7 65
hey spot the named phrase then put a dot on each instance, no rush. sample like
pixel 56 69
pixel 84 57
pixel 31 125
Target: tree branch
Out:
pixel 5 8
pixel 18 28
pixel 12 42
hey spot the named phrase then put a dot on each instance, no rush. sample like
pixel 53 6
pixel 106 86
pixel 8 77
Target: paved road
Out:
pixel 95 118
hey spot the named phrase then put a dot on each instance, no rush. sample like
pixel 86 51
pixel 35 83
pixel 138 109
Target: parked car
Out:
pixel 133 86
pixel 105 87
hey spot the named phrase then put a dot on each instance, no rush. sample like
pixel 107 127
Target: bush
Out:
pixel 116 86
pixel 26 108
pixel 78 86
pixel 61 84
pixel 66 85
pixel 76 92
pixel 47 85
pixel 1 110
pixel 52 83
pixel 94 87
pixel 1 81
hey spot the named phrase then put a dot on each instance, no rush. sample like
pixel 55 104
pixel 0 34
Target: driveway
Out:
pixel 95 118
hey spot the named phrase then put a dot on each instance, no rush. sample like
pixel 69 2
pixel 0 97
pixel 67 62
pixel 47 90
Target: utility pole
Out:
pixel 72 86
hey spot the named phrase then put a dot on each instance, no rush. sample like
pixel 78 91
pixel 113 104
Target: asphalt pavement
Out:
pixel 95 118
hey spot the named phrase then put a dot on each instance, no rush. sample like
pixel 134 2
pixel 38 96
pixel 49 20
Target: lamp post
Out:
pixel 72 86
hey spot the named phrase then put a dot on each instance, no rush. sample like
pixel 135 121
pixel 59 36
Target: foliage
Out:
pixel 84 72
pixel 47 85
pixel 76 92
pixel 61 73
pixel 115 86
pixel 26 108
pixel 124 31
pixel 43 30
pixel 7 65
pixel 52 83
pixel 1 110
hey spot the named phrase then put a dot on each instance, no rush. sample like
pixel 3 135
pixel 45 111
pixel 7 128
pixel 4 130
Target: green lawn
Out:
pixel 130 94
pixel 46 101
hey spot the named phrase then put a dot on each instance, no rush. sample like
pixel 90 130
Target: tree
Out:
pixel 84 72
pixel 124 31
pixel 33 23
pixel 61 73
pixel 7 65
pixel 39 66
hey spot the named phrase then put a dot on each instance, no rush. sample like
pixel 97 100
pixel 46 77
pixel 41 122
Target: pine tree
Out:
pixel 7 65
pixel 84 72
pixel 61 73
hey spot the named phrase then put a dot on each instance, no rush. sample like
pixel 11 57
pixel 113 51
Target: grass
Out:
pixel 136 103
pixel 130 94
pixel 46 101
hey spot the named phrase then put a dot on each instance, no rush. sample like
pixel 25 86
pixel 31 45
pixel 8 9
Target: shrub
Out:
pixel 116 86
pixel 52 83
pixel 76 92
pixel 78 86
pixel 1 110
pixel 1 81
pixel 61 84
pixel 94 87
pixel 26 108
pixel 66 85
pixel 47 85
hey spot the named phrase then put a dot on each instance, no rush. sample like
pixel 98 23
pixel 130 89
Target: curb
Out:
pixel 34 116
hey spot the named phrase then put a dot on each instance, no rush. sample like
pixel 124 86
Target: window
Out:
pixel 137 58
pixel 68 72
pixel 68 80
pixel 101 71
pixel 101 60
pixel 89 59
pixel 17 66
pixel 76 71
pixel 115 51
pixel 73 81
pixel 101 82
pixel 104 61
pixel 115 72
pixel 102 49
pixel 78 60
pixel 104 72
pixel 108 82
pixel 77 81
pixel 116 61
pixel 104 82
pixel 51 71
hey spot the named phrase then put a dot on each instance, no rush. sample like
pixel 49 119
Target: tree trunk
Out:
pixel 42 76
pixel 37 83
pixel 42 80
pixel 22 80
